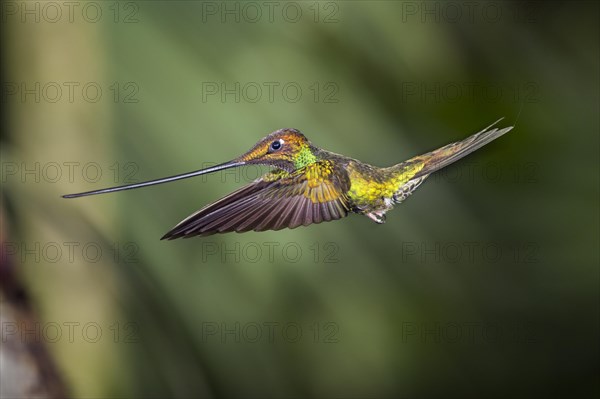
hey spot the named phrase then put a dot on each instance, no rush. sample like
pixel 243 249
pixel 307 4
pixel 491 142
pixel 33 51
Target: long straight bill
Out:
pixel 216 168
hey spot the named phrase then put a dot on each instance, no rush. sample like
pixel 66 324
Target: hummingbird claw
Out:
pixel 378 216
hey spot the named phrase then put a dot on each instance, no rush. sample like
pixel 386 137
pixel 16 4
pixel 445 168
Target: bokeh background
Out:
pixel 483 284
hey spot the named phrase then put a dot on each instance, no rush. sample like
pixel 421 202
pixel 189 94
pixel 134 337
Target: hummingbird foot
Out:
pixel 377 216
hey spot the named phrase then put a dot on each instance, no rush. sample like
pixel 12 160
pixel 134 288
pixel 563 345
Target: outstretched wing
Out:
pixel 313 194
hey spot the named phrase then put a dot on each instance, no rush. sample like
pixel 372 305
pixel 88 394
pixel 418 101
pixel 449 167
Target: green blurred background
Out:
pixel 483 284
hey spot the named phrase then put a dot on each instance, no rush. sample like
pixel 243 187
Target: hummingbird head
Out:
pixel 286 149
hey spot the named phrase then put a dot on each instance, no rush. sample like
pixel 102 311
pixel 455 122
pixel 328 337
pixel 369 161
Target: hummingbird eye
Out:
pixel 276 145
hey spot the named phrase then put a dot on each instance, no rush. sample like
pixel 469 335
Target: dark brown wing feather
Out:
pixel 310 195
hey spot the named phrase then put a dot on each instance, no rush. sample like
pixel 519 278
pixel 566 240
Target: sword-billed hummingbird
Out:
pixel 309 185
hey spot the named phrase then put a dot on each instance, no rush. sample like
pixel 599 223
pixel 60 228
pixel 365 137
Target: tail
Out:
pixel 442 157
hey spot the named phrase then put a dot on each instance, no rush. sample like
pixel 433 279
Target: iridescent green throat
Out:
pixel 304 157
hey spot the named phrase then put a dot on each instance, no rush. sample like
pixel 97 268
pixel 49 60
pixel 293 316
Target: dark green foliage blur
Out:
pixel 483 284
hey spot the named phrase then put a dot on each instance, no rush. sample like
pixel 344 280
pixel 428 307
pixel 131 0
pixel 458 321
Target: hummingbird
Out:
pixel 308 185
